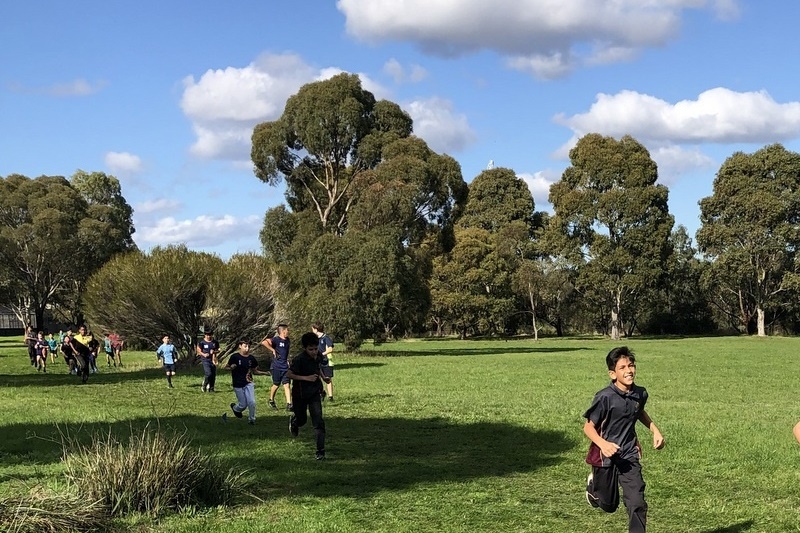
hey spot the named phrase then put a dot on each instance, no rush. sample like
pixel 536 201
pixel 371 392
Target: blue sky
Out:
pixel 164 95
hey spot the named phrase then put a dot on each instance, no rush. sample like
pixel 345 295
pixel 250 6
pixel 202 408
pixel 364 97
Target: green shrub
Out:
pixel 152 473
pixel 40 512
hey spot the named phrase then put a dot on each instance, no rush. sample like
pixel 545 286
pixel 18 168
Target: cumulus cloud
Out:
pixel 78 87
pixel 202 231
pixel 673 161
pixel 442 128
pixel 717 116
pixel 123 163
pixel 541 37
pixel 539 184
pixel 400 74
pixel 157 205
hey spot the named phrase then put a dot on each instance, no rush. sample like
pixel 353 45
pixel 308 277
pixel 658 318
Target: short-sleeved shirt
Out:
pixel 281 347
pixel 241 374
pixel 304 365
pixel 614 414
pixel 167 352
pixel 207 346
pixel 40 346
pixel 30 339
pixel 107 345
pixel 116 342
pixel 81 343
pixel 53 344
pixel 325 342
pixel 66 346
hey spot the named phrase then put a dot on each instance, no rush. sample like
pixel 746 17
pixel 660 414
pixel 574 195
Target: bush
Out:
pixel 153 473
pixel 40 512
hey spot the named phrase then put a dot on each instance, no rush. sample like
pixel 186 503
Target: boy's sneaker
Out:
pixel 294 430
pixel 251 422
pixel 590 498
pixel 203 388
pixel 289 407
pixel 320 456
pixel 330 398
pixel 236 413
pixel 272 405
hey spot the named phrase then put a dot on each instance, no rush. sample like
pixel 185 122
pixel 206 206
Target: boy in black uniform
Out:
pixel 615 452
pixel 307 378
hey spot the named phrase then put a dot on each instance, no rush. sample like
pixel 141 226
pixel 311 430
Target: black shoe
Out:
pixel 330 398
pixel 294 430
pixel 272 405
pixel 289 407
pixel 251 422
pixel 236 413
pixel 320 456
pixel 590 498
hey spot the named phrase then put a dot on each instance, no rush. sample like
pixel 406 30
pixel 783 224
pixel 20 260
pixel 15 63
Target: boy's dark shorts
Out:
pixel 279 376
pixel 327 371
pixel 169 367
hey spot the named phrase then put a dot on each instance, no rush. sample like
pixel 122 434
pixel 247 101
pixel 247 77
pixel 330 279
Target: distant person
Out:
pixel 242 366
pixel 80 348
pixel 279 347
pixel 41 347
pixel 52 347
pixel 325 356
pixel 94 351
pixel 166 353
pixel 108 350
pixel 615 452
pixel 207 349
pixel 116 347
pixel 307 378
pixel 30 343
pixel 68 352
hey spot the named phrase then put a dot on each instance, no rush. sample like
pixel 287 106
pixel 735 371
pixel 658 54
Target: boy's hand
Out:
pixel 608 449
pixel 658 440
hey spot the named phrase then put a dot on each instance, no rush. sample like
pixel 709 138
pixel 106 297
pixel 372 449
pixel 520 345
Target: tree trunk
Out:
pixel 762 330
pixel 615 335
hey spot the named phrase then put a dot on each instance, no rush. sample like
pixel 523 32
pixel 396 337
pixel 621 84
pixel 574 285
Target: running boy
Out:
pixel 242 366
pixel 52 347
pixel 108 350
pixel 307 381
pixel 615 452
pixel 279 346
pixel 41 347
pixel 207 350
pixel 166 354
pixel 325 357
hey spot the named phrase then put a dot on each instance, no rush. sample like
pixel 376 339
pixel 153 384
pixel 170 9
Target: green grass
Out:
pixel 446 435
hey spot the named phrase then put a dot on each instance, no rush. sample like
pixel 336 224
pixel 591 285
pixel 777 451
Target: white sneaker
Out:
pixel 590 498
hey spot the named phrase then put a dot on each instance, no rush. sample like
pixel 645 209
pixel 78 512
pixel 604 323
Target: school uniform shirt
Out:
pixel 304 365
pixel 82 343
pixel 167 352
pixel 40 346
pixel 614 414
pixel 241 374
pixel 207 346
pixel 52 344
pixel 281 347
pixel 325 342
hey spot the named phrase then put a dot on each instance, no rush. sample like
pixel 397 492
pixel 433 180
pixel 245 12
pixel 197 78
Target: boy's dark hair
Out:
pixel 281 326
pixel 309 339
pixel 318 326
pixel 618 353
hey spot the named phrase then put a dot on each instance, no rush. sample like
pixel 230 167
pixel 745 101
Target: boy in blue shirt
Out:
pixel 207 350
pixel 52 345
pixel 242 366
pixel 615 452
pixel 325 357
pixel 279 346
pixel 166 353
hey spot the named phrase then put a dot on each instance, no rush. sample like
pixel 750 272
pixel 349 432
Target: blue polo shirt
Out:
pixel 281 347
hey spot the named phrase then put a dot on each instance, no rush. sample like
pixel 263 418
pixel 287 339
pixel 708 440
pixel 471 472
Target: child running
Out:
pixel 52 347
pixel 279 346
pixel 615 451
pixel 307 379
pixel 41 347
pixel 166 354
pixel 242 366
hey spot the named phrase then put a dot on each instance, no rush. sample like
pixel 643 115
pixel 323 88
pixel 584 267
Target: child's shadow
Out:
pixel 736 528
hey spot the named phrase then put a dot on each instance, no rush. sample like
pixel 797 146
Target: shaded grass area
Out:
pixel 489 440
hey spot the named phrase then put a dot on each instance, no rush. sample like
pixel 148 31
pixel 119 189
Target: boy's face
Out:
pixel 165 340
pixel 283 332
pixel 244 348
pixel 313 351
pixel 624 372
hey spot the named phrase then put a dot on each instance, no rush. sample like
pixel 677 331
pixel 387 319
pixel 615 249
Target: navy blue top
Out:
pixel 281 347
pixel 241 373
pixel 325 342
pixel 207 346
pixel 614 414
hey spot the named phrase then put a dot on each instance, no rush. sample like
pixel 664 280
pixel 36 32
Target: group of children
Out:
pixel 301 377
pixel 80 350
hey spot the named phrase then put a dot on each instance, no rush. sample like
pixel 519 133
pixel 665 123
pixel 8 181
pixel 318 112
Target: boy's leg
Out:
pixel 206 374
pixel 603 488
pixel 212 378
pixel 241 400
pixel 299 415
pixel 250 398
pixel 315 410
pixel 630 477
pixel 287 392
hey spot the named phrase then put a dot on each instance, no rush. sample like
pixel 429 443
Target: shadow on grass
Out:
pixel 351 366
pixel 57 376
pixel 365 455
pixel 736 528
pixel 471 351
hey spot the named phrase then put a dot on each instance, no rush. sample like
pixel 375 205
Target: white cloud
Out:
pixel 716 116
pixel 157 205
pixel 77 87
pixel 123 163
pixel 674 161
pixel 442 128
pixel 413 74
pixel 553 36
pixel 202 231
pixel 539 184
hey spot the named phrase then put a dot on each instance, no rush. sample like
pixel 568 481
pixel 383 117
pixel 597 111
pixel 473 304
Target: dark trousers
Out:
pixel 628 475
pixel 209 373
pixel 83 362
pixel 314 407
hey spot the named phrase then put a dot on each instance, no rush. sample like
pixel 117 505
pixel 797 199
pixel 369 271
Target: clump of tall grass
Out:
pixel 41 512
pixel 152 473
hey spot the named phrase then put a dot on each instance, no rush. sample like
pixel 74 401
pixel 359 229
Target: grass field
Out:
pixel 446 435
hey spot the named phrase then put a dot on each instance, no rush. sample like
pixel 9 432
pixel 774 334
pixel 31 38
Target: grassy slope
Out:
pixel 447 435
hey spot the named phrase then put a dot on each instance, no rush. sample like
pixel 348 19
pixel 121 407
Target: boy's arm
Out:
pixel 607 448
pixel 658 438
